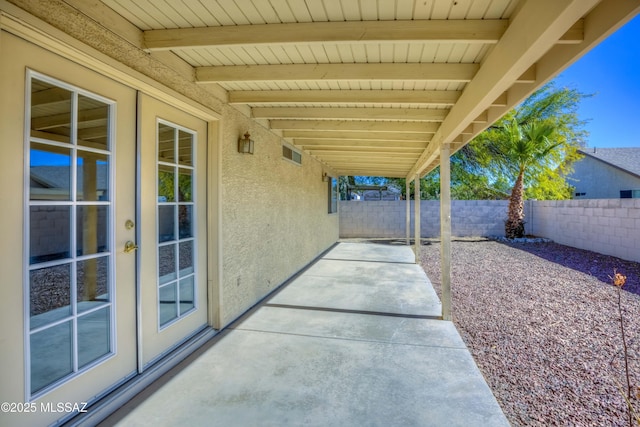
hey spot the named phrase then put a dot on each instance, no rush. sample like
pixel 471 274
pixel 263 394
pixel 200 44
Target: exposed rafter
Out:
pixel 56 120
pixel 460 31
pixel 309 72
pixel 409 114
pixel 350 153
pixel 367 172
pixel 347 135
pixel 362 143
pixel 353 125
pixel 436 31
pixel 423 97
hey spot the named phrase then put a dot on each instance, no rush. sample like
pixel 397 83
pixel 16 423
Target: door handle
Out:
pixel 130 247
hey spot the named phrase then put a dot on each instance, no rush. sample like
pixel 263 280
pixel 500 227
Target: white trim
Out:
pixel 214 224
pixel 27 238
pixel 138 236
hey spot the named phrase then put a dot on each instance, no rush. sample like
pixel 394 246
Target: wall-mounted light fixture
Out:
pixel 245 145
pixel 325 177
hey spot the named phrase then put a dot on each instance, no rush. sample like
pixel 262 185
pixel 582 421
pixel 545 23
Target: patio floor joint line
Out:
pixel 344 310
pixel 369 260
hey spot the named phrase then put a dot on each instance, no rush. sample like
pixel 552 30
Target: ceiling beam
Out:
pixel 310 72
pixel 369 172
pixel 349 135
pixel 364 149
pixel 574 35
pixel 50 96
pixel 64 119
pixel 460 31
pixel 372 169
pixel 424 97
pixel 370 160
pixel 482 117
pixel 536 27
pixel 355 153
pixel 353 125
pixel 413 114
pixel 501 101
pixel 346 161
pixel 528 76
pixel 94 132
pixel 360 143
pixel 376 150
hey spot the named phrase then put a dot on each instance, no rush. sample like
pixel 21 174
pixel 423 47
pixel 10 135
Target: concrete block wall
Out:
pixel 372 218
pixel 607 226
pixel 478 217
pixel 388 218
pixel 50 233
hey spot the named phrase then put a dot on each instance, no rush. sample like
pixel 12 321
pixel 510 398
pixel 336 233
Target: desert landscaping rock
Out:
pixel 542 323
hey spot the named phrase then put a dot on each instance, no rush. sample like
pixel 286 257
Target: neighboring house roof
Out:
pixel 626 159
pixel 58 176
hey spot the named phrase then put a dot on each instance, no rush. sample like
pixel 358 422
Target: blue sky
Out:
pixel 610 71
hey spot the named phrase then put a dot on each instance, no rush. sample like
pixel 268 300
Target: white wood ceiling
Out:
pixel 376 87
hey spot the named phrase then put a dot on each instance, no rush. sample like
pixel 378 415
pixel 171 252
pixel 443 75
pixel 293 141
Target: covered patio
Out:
pixel 355 339
pixel 373 88
pixel 235 118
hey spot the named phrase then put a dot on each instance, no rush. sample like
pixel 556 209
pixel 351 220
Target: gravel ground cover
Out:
pixel 541 321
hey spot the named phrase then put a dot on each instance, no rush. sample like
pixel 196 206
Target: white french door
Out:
pixel 104 238
pixel 172 230
pixel 78 284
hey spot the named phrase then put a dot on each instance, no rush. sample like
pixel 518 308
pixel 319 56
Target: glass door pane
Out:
pixel 70 222
pixel 175 149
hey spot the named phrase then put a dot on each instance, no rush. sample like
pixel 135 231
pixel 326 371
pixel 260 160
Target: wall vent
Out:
pixel 291 154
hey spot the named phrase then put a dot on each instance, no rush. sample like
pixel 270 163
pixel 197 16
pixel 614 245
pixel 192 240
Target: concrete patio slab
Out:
pixel 362 294
pixel 372 252
pixel 253 378
pixel 367 269
pixel 353 326
pixel 359 356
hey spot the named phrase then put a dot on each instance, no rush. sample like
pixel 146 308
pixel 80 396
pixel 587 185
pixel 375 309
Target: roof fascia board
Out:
pixel 535 28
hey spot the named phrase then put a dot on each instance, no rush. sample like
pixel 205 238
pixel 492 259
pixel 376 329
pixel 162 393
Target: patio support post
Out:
pixel 408 213
pixel 445 229
pixel 90 226
pixel 416 217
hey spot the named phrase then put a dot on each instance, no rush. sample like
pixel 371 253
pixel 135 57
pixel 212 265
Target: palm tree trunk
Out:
pixel 514 226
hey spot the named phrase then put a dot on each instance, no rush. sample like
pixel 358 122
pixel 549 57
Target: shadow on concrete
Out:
pixel 389 241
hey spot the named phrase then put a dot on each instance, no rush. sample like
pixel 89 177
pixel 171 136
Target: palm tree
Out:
pixel 522 146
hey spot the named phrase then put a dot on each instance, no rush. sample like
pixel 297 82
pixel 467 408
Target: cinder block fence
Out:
pixel 608 226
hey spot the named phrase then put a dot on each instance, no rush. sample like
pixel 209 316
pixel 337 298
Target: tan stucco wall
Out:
pixel 274 215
